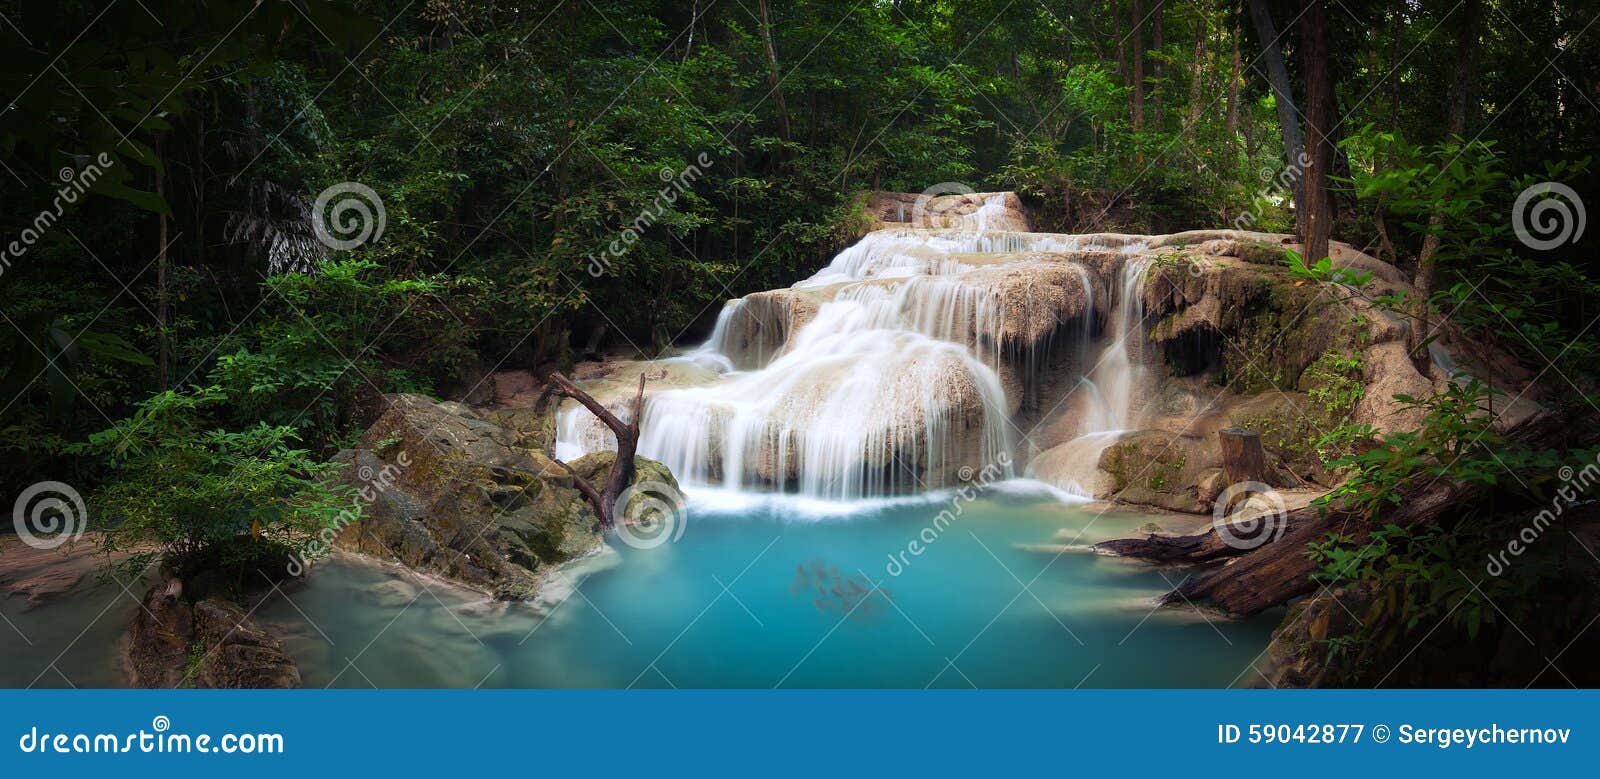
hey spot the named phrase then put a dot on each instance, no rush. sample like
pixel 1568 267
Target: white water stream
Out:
pixel 897 382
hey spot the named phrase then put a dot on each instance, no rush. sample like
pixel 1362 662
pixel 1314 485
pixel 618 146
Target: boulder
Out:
pixel 449 493
pixel 1158 468
pixel 914 209
pixel 210 643
pixel 757 327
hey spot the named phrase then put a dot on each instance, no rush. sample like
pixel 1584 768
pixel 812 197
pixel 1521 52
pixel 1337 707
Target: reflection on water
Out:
pixel 752 595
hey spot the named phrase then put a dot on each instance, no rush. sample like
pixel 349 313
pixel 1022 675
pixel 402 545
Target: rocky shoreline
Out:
pixel 440 489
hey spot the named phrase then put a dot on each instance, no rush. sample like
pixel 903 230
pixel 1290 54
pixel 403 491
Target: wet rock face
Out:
pixel 450 493
pixel 758 328
pixel 1252 325
pixel 1240 340
pixel 211 643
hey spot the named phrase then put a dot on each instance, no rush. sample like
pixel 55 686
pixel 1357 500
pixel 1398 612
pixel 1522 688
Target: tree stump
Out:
pixel 1243 459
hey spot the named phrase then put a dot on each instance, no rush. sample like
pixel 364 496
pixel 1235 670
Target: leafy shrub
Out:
pixel 207 497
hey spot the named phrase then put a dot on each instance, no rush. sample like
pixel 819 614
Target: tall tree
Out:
pixel 1122 41
pixel 1456 109
pixel 1235 79
pixel 774 79
pixel 1138 65
pixel 1157 40
pixel 1314 214
pixel 1282 96
pixel 1196 81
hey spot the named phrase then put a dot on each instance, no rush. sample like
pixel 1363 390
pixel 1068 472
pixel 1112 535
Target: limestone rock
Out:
pixel 758 327
pixel 452 494
pixel 913 209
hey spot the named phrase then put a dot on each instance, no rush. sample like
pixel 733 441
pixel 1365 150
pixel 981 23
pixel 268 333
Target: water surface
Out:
pixel 780 594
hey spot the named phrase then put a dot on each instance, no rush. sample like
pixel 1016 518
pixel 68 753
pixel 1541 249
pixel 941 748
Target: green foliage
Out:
pixel 1335 382
pixel 1417 575
pixel 1323 271
pixel 327 339
pixel 1443 189
pixel 1457 443
pixel 199 491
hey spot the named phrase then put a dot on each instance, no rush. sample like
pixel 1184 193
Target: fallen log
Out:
pixel 1250 581
pixel 1271 575
pixel 1198 548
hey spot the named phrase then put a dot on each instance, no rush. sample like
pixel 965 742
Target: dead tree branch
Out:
pixel 627 433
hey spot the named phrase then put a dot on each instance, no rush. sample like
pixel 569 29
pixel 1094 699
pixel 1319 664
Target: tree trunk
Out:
pixel 1234 78
pixel 774 79
pixel 1312 220
pixel 1261 577
pixel 604 502
pixel 1138 65
pixel 1455 127
pixel 1157 40
pixel 1122 48
pixel 1243 459
pixel 1278 77
pixel 1195 82
pixel 164 336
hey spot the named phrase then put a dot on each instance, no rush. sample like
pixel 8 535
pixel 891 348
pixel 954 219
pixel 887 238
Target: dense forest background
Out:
pixel 162 163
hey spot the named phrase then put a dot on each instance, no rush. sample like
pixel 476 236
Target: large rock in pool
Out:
pixel 452 494
pixel 210 643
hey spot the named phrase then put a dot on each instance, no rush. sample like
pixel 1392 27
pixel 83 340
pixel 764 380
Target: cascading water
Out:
pixel 1111 387
pixel 894 375
pixel 1114 381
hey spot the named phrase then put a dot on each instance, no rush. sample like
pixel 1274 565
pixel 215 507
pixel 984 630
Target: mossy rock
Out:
pixel 461 499
pixel 533 428
pixel 596 468
pixel 1158 468
pixel 1258 253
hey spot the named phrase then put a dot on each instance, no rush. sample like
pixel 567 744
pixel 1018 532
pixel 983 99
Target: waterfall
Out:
pixel 1114 381
pixel 859 405
pixel 1112 386
pixel 894 369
